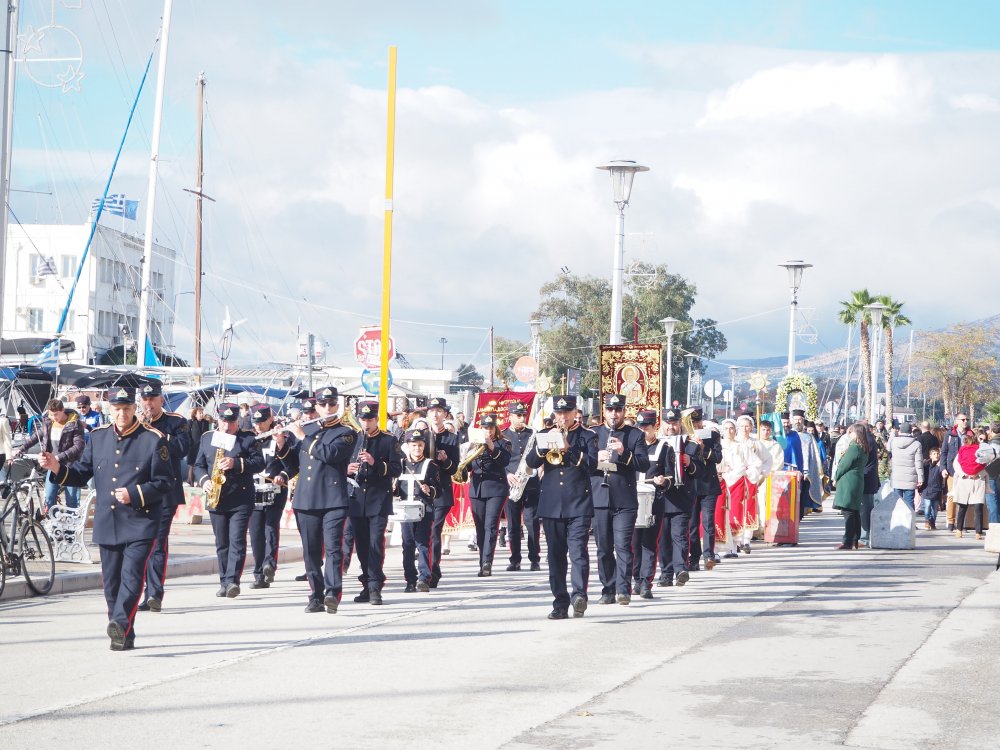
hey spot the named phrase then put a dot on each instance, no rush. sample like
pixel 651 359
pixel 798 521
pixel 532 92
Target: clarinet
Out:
pixel 607 472
pixel 363 468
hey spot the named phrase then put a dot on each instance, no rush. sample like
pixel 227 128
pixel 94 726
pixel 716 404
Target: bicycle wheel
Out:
pixel 37 561
pixel 3 573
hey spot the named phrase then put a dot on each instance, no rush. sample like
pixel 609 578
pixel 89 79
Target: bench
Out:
pixel 66 527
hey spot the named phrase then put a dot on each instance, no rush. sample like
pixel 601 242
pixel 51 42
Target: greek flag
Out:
pixel 48 356
pixel 116 205
pixel 46 266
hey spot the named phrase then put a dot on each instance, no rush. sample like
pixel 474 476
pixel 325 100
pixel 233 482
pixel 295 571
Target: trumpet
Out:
pixel 554 456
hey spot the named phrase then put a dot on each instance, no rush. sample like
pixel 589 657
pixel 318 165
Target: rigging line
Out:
pixel 48 164
pixel 28 236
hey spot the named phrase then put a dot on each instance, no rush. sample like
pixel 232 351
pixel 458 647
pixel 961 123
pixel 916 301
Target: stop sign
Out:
pixel 368 347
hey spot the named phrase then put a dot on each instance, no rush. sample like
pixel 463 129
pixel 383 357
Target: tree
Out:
pixel 576 312
pixel 892 317
pixel 959 365
pixel 852 311
pixel 467 378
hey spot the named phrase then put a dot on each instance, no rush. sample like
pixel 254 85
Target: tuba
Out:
pixel 218 479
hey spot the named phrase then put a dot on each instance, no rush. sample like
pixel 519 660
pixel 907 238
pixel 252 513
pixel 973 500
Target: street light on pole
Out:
pixel 690 359
pixel 669 324
pixel 442 341
pixel 732 390
pixel 622 173
pixel 795 269
pixel 536 341
pixel 875 310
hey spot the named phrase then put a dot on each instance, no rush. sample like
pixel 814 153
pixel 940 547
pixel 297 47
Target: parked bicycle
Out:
pixel 25 546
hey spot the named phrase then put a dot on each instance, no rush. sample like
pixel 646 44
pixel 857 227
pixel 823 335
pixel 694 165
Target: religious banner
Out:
pixel 633 370
pixel 499 403
pixel 573 377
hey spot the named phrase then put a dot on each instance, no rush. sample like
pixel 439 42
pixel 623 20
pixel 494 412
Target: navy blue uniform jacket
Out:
pixel 488 473
pixel 373 495
pixel 620 492
pixel 138 460
pixel 565 489
pixel 449 443
pixel 238 488
pixel 518 443
pixel 175 428
pixel 321 466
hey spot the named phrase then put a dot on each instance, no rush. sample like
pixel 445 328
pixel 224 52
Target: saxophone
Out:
pixel 523 473
pixel 218 479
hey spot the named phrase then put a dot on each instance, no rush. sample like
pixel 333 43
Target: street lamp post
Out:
pixel 795 269
pixel 622 173
pixel 669 324
pixel 442 341
pixel 875 311
pixel 690 359
pixel 732 390
pixel 536 341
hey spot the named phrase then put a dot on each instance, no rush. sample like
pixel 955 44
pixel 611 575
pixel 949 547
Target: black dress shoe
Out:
pixel 376 597
pixel 694 567
pixel 558 614
pixel 232 591
pixel 486 571
pixel 411 588
pixel 666 582
pixel 129 643
pixel 303 577
pixel 423 586
pixel 730 555
pixel 364 596
pixel 331 603
pixel 315 605
pixel 513 567
pixel 154 604
pixel 116 632
pixel 646 592
pixel 624 599
pixel 221 592
pixel 260 584
pixel 268 571
pixel 683 577
pixel 144 607
pixel 636 588
pixel 435 580
pixel 579 606
pixel 536 566
pixel 606 599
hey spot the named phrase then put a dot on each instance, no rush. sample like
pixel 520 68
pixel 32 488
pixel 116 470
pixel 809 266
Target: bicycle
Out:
pixel 25 546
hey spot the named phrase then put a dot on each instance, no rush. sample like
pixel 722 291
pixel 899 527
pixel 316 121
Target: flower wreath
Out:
pixel 798 381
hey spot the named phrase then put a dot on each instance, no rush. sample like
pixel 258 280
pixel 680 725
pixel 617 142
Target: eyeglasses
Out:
pixel 963 419
pixel 613 408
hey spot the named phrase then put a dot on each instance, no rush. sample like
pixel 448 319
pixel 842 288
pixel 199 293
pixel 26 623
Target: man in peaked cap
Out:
pixel 175 429
pixel 706 489
pixel 566 507
pixel 130 465
pixel 447 455
pixel 526 507
pixel 269 506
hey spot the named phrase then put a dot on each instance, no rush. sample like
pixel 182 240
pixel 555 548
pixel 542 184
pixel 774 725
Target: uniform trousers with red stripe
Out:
pixel 369 537
pixel 123 568
pixel 230 527
pixel 486 514
pixel 265 531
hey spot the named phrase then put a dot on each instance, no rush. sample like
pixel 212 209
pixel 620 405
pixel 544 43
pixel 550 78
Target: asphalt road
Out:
pixel 803 647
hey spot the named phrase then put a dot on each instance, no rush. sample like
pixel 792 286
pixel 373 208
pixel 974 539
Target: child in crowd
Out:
pixel 932 493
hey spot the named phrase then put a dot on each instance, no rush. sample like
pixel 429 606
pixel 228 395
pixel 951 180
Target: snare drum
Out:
pixel 264 493
pixel 407 511
pixel 645 519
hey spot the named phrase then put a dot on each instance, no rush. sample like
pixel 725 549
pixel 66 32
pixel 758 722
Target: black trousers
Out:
pixel 518 513
pixel 123 568
pixel 674 538
pixel 486 514
pixel 348 545
pixel 960 516
pixel 701 529
pixel 265 532
pixel 613 537
pixel 230 529
pixel 645 542
pixel 417 543
pixel 567 537
pixel 156 568
pixel 852 526
pixel 804 500
pixel 370 536
pixel 437 525
pixel 323 531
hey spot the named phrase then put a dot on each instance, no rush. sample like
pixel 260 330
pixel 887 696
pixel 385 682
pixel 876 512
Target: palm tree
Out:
pixel 892 317
pixel 854 311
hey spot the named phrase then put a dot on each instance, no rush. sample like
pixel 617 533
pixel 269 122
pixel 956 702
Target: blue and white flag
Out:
pixel 46 266
pixel 116 205
pixel 49 356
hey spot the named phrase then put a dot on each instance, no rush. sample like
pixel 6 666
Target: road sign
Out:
pixel 526 369
pixel 713 388
pixel 368 348
pixel 370 381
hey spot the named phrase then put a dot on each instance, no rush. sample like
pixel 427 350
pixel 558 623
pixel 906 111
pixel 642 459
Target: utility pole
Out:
pixel 492 365
pixel 6 129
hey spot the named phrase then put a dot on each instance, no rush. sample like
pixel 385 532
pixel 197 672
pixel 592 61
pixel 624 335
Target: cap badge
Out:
pixel 122 393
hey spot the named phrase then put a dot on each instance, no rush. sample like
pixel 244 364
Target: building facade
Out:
pixel 42 262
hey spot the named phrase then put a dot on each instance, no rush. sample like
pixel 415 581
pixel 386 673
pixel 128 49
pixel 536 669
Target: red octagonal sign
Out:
pixel 368 348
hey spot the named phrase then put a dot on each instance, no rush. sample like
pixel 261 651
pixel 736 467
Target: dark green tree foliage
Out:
pixel 467 378
pixel 576 313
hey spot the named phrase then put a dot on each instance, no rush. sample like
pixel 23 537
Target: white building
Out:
pixel 105 308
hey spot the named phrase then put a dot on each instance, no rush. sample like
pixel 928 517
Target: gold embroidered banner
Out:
pixel 633 370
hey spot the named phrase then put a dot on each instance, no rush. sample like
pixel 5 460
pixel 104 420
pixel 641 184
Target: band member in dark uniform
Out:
pixel 419 480
pixel 706 491
pixel 321 501
pixel 447 454
pixel 175 428
pixel 308 402
pixel 130 465
pixel 566 507
pixel 526 508
pixel 231 517
pixel 621 449
pixel 644 540
pixel 376 462
pixel 488 490
pixel 677 500
pixel 269 501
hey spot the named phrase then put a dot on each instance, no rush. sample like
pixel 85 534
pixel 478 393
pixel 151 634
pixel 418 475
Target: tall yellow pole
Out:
pixel 383 386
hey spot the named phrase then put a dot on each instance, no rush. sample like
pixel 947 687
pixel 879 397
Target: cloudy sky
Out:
pixel 857 136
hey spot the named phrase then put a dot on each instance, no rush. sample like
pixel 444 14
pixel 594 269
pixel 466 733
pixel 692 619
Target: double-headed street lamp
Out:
pixel 622 173
pixel 875 311
pixel 795 269
pixel 669 324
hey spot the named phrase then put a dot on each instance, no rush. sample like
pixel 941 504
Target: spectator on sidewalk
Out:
pixel 949 452
pixel 992 485
pixel 60 432
pixel 969 486
pixel 850 484
pixel 932 490
pixel 91 418
pixel 906 467
pixel 871 485
pixel 198 425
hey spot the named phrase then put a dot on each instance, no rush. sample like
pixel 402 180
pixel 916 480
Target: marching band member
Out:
pixel 447 454
pixel 420 480
pixel 175 428
pixel 126 515
pixel 525 509
pixel 677 500
pixel 644 540
pixel 231 518
pixel 488 488
pixel 615 500
pixel 566 507
pixel 265 521
pixel 306 413
pixel 375 463
pixel 706 491
pixel 321 501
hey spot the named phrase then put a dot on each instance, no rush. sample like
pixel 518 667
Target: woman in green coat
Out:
pixel 850 481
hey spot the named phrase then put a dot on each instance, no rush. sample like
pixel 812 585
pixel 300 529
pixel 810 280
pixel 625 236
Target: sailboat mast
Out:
pixel 198 218
pixel 6 130
pixel 147 254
